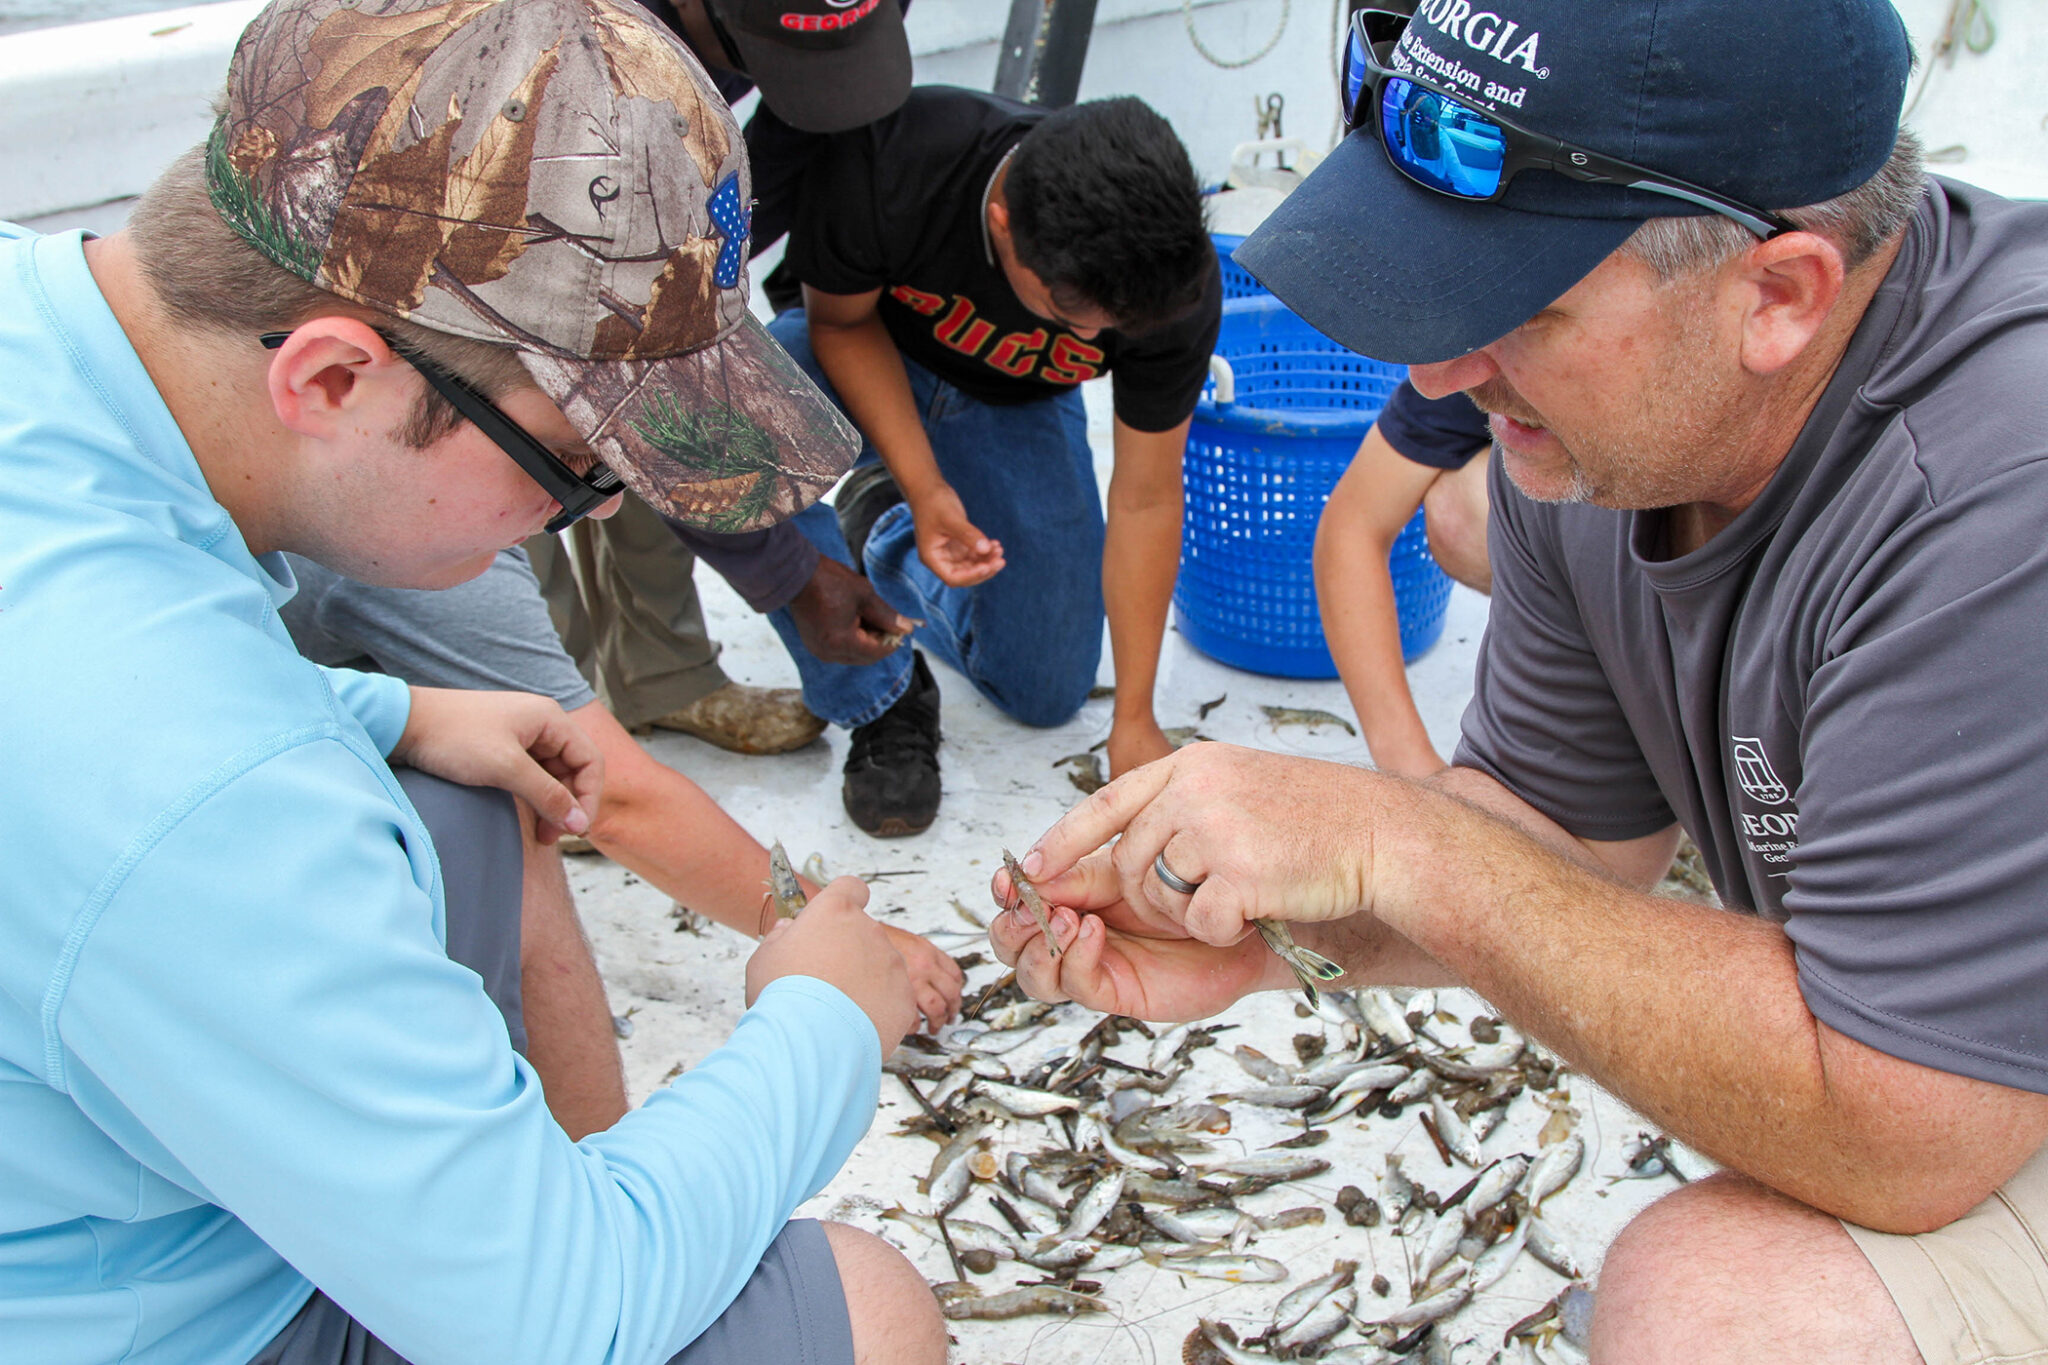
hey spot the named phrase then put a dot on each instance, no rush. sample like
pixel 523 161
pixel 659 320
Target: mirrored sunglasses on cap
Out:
pixel 1443 143
pixel 578 494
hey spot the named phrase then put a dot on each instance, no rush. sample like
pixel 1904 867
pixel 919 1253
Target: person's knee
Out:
pixel 1726 1269
pixel 1455 511
pixel 1457 541
pixel 896 1321
pixel 1043 688
pixel 1052 702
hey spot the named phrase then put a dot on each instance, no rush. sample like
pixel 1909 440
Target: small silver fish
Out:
pixel 1195 1227
pixel 1397 1191
pixel 1295 715
pixel 1457 1135
pixel 1496 1260
pixel 1493 1185
pixel 1236 1269
pixel 783 887
pixel 1435 1308
pixel 1028 894
pixel 1323 1320
pixel 1260 1067
pixel 1274 1165
pixel 1419 1083
pixel 1094 1206
pixel 1274 1096
pixel 1358 1353
pixel 1059 1253
pixel 1023 1103
pixel 1441 1245
pixel 1546 1246
pixel 1553 1169
pixel 1370 1076
pixel 967 1234
pixel 1295 1306
pixel 1384 1019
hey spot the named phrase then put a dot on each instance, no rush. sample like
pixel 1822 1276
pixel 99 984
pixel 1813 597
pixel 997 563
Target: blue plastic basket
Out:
pixel 1237 281
pixel 1257 474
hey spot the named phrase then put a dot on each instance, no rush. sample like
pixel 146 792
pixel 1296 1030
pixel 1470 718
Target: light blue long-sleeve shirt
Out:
pixel 235 1059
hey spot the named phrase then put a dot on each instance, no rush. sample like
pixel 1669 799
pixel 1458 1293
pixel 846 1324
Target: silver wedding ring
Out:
pixel 1174 881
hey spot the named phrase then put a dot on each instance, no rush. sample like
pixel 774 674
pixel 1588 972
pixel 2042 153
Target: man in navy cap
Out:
pixel 1768 569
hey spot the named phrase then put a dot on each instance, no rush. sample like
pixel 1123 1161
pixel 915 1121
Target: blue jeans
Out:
pixel 1029 639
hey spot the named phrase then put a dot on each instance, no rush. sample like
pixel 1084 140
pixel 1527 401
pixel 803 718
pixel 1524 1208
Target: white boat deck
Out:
pixel 1001 789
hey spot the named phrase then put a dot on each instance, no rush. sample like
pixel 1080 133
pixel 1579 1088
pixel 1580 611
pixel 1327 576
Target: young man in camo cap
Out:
pixel 444 274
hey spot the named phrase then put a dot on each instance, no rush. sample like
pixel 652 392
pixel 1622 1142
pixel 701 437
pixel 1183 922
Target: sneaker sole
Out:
pixel 897 829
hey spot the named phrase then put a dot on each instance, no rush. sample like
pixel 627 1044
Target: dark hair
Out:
pixel 1104 208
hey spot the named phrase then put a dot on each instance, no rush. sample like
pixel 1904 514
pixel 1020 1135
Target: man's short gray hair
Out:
pixel 1858 223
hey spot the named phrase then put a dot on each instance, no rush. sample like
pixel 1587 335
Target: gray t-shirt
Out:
pixel 492 633
pixel 1843 697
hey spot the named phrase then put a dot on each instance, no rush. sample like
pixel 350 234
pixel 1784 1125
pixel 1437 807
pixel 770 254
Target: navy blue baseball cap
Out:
pixel 1772 103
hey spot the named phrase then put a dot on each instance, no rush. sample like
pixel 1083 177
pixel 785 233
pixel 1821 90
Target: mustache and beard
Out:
pixel 1644 441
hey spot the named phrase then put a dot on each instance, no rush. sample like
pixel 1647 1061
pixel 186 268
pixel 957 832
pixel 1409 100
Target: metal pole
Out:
pixel 1044 47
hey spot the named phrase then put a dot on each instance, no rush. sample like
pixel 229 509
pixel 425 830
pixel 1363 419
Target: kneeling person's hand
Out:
pixel 835 941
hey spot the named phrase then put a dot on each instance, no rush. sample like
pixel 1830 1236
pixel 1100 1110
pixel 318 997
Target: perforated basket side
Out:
pixel 1257 474
pixel 1237 281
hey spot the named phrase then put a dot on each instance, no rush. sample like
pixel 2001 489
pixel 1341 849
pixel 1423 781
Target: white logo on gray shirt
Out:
pixel 1753 770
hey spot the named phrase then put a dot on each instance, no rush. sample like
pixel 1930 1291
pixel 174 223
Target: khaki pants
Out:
pixel 1976 1291
pixel 624 602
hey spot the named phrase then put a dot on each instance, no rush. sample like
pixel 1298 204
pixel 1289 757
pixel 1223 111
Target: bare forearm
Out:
pixel 668 831
pixel 1694 1016
pixel 1139 561
pixel 1141 557
pixel 1363 628
pixel 867 370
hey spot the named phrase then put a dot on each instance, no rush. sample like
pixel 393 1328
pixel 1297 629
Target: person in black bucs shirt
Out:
pixel 968 263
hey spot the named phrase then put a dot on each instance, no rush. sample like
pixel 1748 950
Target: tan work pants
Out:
pixel 625 604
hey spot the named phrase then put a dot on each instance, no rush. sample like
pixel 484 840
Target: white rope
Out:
pixel 1187 14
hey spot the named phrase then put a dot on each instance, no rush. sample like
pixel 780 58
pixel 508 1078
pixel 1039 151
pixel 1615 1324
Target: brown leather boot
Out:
pixel 748 720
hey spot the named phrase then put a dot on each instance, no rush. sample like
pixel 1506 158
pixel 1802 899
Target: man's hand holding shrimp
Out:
pixel 1259 835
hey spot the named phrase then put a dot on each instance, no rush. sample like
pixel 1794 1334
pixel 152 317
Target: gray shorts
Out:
pixel 492 633
pixel 476 837
pixel 792 1311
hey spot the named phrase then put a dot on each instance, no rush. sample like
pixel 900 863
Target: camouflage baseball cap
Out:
pixel 558 176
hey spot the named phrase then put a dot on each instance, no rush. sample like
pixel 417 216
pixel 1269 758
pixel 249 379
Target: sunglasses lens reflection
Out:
pixel 1440 144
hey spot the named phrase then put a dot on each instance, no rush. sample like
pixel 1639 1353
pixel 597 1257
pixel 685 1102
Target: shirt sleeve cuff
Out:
pixel 380 703
pixel 833 1011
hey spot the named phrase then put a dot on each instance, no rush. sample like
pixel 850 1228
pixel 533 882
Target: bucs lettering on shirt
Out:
pixel 1058 356
pixel 897 206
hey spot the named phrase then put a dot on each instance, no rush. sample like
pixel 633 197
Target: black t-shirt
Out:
pixel 1443 433
pixel 897 206
pixel 776 152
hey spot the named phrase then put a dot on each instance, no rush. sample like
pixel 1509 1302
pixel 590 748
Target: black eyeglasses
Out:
pixel 578 494
pixel 1442 143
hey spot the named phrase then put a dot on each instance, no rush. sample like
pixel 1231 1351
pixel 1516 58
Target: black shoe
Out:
pixel 892 775
pixel 868 492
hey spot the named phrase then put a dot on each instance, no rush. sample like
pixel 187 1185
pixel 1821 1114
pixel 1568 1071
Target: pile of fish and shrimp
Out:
pixel 1397 1175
